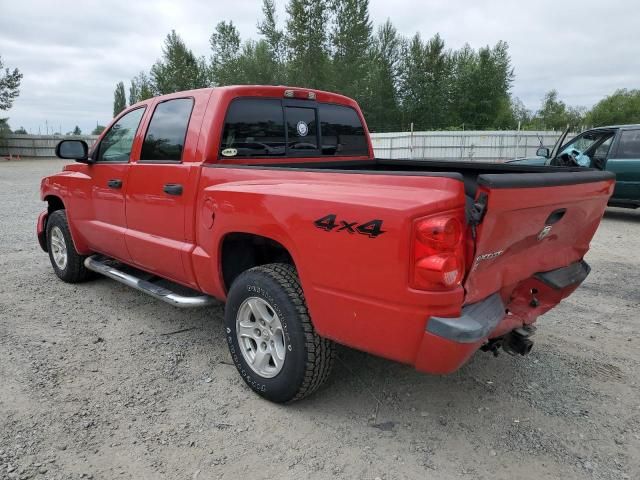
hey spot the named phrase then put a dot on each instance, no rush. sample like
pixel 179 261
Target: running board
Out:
pixel 101 265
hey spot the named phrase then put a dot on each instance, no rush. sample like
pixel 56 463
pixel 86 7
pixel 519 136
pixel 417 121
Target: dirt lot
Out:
pixel 94 383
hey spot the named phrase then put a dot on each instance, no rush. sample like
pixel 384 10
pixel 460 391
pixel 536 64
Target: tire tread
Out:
pixel 320 351
pixel 75 272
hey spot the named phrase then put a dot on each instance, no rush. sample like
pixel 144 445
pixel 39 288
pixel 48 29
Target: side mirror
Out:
pixel 543 152
pixel 77 150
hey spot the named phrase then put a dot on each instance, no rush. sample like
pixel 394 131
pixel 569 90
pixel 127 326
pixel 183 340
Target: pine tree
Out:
pixel 119 99
pixel 76 131
pixel 133 93
pixel 274 38
pixel 179 69
pixel 307 43
pixel 351 40
pixel 380 99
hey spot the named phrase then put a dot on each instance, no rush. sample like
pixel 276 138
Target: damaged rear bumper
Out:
pixel 449 342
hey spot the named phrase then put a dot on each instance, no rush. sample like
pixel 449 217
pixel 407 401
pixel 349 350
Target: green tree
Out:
pixel 411 80
pixel 98 130
pixel 20 131
pixel 274 38
pixel 77 131
pixel 426 72
pixel 481 87
pixel 521 113
pixel 179 69
pixel 226 51
pixel 554 114
pixel 350 41
pixel 256 65
pixel 5 129
pixel 380 101
pixel 9 86
pixel 307 43
pixel 134 94
pixel 141 88
pixel 623 106
pixel 119 99
pixel 436 84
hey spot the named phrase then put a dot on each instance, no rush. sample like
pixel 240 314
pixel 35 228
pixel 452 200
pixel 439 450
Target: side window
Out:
pixel 629 146
pixel 302 129
pixel 341 131
pixel 253 128
pixel 116 144
pixel 167 130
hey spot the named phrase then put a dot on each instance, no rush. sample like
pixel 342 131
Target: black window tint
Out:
pixel 253 128
pixel 629 144
pixel 341 131
pixel 116 144
pixel 302 129
pixel 167 130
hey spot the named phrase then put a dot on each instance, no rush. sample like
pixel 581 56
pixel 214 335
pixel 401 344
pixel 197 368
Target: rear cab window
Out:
pixel 268 127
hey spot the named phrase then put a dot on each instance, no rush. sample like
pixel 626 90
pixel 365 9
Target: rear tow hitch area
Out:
pixel 516 342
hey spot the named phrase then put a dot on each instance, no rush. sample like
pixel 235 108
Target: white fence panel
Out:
pixel 485 146
pixel 29 146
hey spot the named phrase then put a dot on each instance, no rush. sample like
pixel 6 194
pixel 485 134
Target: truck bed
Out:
pixel 492 173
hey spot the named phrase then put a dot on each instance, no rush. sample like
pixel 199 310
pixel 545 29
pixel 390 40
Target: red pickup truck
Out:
pixel 271 200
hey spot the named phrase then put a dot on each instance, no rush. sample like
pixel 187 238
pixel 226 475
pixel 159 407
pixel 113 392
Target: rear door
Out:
pixel 533 222
pixel 162 188
pixel 625 163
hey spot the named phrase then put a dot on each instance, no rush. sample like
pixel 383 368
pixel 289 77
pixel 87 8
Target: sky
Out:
pixel 72 54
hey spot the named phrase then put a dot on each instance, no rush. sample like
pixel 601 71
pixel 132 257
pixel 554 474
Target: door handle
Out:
pixel 172 189
pixel 114 183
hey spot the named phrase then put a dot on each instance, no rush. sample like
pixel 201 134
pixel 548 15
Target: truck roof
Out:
pixel 619 127
pixel 274 91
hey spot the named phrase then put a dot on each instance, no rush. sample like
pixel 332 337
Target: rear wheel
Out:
pixel 270 335
pixel 66 262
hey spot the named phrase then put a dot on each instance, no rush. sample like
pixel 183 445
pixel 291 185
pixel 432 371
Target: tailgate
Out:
pixel 532 222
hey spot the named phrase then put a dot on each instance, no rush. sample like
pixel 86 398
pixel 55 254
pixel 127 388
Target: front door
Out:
pixel 161 191
pixel 104 224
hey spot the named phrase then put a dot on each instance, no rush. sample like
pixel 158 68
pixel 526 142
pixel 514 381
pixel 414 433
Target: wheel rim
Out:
pixel 261 337
pixel 58 247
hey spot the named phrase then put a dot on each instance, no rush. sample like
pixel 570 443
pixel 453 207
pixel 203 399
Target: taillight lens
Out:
pixel 438 252
pixel 440 232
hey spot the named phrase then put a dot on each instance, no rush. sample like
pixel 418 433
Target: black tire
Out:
pixel 309 357
pixel 74 271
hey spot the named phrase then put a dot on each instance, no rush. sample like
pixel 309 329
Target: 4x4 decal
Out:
pixel 372 228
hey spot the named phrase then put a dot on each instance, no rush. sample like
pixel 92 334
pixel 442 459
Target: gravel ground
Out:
pixel 100 381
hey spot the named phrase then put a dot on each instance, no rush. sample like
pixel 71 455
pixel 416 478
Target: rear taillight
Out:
pixel 438 252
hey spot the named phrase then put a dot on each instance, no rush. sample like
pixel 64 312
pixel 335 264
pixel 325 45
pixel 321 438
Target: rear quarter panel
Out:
pixel 351 281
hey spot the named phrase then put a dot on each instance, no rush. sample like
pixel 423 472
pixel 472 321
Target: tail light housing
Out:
pixel 438 252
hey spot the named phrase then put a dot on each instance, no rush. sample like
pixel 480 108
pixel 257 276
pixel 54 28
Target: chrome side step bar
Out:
pixel 101 265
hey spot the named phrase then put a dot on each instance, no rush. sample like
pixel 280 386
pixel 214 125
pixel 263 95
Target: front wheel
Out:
pixel 271 338
pixel 66 262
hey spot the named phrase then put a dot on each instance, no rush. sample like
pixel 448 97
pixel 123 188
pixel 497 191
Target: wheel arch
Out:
pixel 54 203
pixel 240 251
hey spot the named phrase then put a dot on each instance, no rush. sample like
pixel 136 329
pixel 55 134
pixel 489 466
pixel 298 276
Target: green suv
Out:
pixel 615 149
